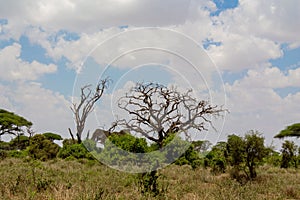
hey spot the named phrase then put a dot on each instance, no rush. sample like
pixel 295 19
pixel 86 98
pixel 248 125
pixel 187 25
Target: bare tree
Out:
pixel 86 105
pixel 157 111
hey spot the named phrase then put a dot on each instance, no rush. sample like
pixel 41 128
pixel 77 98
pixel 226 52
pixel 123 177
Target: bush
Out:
pixel 42 149
pixel 17 153
pixel 72 151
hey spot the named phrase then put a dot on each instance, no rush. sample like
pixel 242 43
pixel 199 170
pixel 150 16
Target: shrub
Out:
pixel 41 148
pixel 17 153
pixel 72 150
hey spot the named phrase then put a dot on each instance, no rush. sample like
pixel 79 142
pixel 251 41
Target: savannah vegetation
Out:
pixel 33 166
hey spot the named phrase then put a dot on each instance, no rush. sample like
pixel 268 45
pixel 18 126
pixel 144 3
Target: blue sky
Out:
pixel 255 49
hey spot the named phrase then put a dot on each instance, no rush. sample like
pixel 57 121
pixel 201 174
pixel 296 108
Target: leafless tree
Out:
pixel 82 109
pixel 157 110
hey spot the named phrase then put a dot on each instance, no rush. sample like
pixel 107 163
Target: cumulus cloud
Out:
pixel 48 111
pixel 90 15
pixel 275 20
pixel 12 67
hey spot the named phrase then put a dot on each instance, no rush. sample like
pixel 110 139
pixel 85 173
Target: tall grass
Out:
pixel 64 180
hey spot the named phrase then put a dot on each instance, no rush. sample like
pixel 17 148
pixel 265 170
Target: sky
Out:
pixel 244 55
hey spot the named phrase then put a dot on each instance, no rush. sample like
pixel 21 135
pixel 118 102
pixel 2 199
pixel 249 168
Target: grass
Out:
pixel 64 180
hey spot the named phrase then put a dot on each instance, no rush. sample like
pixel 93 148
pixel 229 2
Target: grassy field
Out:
pixel 63 180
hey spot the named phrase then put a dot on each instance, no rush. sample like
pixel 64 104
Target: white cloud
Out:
pixel 48 111
pixel 271 77
pixel 276 20
pixel 12 67
pixel 92 15
pixel 253 103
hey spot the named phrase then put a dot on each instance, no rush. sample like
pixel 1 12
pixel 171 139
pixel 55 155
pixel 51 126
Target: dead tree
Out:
pixel 82 109
pixel 156 111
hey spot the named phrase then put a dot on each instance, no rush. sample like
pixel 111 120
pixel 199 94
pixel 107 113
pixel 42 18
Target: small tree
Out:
pixel 255 151
pixel 82 109
pixel 246 153
pixel 217 158
pixel 288 151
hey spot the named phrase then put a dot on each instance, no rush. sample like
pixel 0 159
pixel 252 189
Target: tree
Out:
pixel 11 123
pixel 255 151
pixel 157 111
pixel 86 105
pixel 288 151
pixel 289 131
pixel 245 153
pixel 217 158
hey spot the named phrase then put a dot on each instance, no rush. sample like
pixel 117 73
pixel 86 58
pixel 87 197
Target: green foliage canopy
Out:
pixel 290 131
pixel 11 123
pixel 52 136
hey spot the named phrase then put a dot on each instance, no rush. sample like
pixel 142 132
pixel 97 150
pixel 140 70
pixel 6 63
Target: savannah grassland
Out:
pixel 64 180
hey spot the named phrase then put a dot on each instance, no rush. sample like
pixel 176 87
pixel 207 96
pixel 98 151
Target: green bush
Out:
pixel 72 151
pixel 17 153
pixel 42 148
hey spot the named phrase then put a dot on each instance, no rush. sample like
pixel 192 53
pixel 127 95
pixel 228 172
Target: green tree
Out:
pixel 11 123
pixel 289 131
pixel 246 153
pixel 216 159
pixel 288 151
pixel 255 151
pixel 42 148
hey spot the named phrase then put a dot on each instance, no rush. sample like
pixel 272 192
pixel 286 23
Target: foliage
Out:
pixel 69 180
pixel 20 142
pixel 216 158
pixel 290 131
pixel 129 143
pixel 11 123
pixel 201 146
pixel 255 151
pixel 17 153
pixel 52 136
pixel 41 148
pixel 245 154
pixel 289 158
pixel 71 149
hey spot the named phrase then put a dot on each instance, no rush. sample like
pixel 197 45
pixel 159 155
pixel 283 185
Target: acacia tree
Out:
pixel 156 111
pixel 290 131
pixel 86 104
pixel 11 123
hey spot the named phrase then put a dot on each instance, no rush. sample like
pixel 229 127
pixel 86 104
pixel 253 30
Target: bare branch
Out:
pixel 157 111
